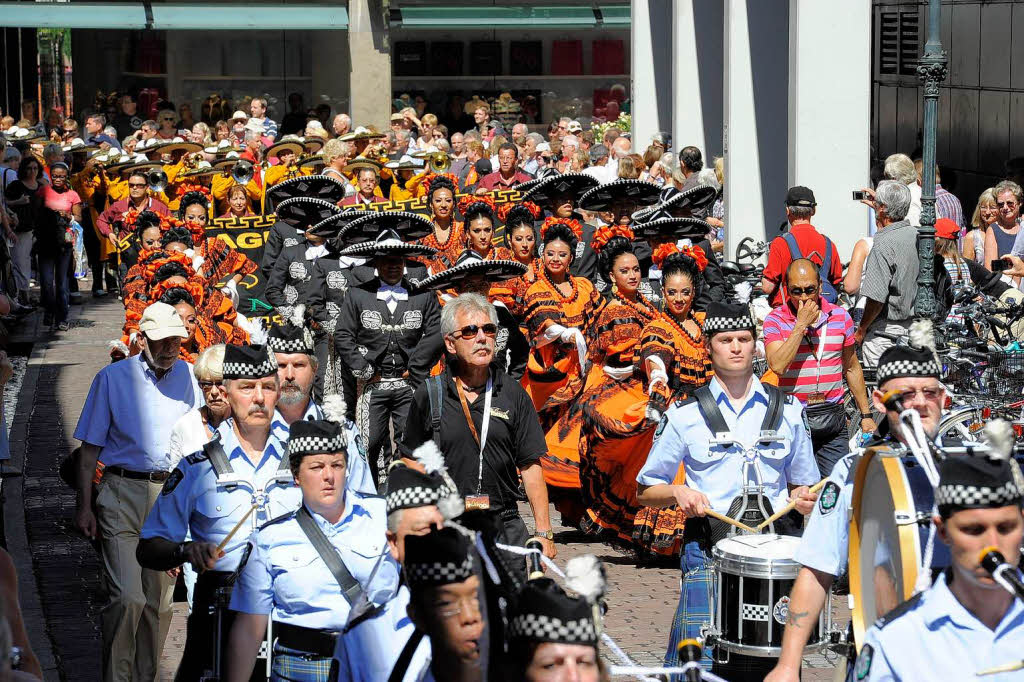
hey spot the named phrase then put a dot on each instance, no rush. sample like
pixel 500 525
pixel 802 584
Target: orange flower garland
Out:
pixel 468 200
pixel 573 225
pixel 665 250
pixel 162 258
pixel 194 286
pixel 506 208
pixel 608 232
pixel 186 187
pixel 429 182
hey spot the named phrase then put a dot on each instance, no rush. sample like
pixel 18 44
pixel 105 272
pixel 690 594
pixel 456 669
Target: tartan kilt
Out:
pixel 292 665
pixel 696 602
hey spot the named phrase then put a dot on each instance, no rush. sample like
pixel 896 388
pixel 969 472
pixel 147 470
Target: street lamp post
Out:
pixel 931 70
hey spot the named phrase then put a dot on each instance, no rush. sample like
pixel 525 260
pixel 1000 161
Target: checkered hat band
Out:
pixel 958 495
pixel 314 445
pixel 245 370
pixel 728 324
pixel 906 368
pixel 439 573
pixel 279 345
pixel 543 628
pixel 418 496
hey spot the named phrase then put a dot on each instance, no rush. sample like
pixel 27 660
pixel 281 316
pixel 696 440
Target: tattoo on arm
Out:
pixel 795 617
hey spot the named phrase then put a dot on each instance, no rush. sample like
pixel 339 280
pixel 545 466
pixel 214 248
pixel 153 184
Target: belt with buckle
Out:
pixel 309 640
pixel 151 476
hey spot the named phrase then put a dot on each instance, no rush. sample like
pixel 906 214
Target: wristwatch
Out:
pixel 546 534
pixel 866 415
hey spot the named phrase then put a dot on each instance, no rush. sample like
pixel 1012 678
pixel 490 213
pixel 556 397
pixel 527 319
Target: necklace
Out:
pixel 677 326
pixel 571 280
pixel 641 306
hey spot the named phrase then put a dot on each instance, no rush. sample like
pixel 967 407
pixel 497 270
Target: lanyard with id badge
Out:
pixel 817 397
pixel 478 500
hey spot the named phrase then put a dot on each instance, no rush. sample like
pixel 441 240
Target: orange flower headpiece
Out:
pixel 468 200
pixel 195 286
pixel 573 225
pixel 506 208
pixel 429 182
pixel 186 187
pixel 608 232
pixel 161 258
pixel 662 253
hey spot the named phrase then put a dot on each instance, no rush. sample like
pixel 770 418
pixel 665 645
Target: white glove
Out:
pixel 569 335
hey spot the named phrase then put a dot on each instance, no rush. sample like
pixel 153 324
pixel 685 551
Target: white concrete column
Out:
pixel 369 64
pixel 756 111
pixel 830 111
pixel 650 56
pixel 697 38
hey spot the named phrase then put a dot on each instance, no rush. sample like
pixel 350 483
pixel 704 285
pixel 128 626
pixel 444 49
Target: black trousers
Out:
pixel 202 627
pixel 381 413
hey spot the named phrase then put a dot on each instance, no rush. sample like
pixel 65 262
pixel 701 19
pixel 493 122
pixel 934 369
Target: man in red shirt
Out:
pixel 811 243
pixel 507 176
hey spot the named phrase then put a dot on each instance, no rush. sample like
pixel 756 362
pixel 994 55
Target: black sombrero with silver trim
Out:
pixel 387 243
pixel 543 190
pixel 314 437
pixel 302 212
pixel 441 557
pixel 671 202
pixel 603 196
pixel 248 362
pixel 368 226
pixel 727 317
pixel 470 264
pixel 675 228
pixel 543 612
pixel 288 338
pixel 331 227
pixel 309 187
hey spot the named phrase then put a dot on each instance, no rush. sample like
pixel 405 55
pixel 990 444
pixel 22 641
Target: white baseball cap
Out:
pixel 160 321
pixel 239 116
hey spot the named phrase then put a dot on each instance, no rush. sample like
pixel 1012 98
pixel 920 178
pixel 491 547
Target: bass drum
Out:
pixel 892 511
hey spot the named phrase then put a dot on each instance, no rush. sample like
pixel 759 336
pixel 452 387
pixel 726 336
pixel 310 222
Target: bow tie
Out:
pixel 389 292
pixel 314 252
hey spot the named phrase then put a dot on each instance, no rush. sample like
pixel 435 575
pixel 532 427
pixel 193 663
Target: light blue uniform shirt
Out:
pixel 370 650
pixel 717 470
pixel 129 413
pixel 826 540
pixel 358 475
pixel 192 500
pixel 933 637
pixel 286 578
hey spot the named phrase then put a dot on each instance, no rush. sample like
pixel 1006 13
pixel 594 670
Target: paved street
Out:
pixel 61 592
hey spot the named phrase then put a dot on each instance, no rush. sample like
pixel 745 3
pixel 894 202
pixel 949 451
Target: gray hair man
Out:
pixel 890 272
pixel 498 436
pixel 900 168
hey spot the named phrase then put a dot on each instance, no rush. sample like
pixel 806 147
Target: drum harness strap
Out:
pixel 722 435
pixel 227 477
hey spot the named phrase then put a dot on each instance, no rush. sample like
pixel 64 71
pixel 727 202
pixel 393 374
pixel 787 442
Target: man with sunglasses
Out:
pixel 109 223
pixel 483 422
pixel 809 344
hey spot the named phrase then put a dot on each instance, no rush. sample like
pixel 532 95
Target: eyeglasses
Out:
pixel 930 394
pixel 137 184
pixel 448 610
pixel 210 384
pixel 800 291
pixel 471 330
pixel 1006 204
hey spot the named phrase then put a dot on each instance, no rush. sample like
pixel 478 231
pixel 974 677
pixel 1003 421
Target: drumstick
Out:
pixel 227 538
pixel 789 507
pixel 732 522
pixel 1007 668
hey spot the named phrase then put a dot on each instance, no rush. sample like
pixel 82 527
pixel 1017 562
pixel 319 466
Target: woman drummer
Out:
pixel 285 577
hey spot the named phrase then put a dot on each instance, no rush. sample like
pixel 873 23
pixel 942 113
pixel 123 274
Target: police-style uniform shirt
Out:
pixel 716 469
pixel 825 544
pixel 370 650
pixel 932 636
pixel 357 471
pixel 129 413
pixel 284 576
pixel 373 339
pixel 193 500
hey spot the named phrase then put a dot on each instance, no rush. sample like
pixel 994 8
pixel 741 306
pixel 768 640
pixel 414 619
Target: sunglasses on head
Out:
pixel 471 330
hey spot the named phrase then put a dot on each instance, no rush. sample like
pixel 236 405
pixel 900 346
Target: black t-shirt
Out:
pixel 25 204
pixel 514 437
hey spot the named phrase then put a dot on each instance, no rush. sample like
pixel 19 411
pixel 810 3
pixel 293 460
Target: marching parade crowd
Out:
pixel 457 321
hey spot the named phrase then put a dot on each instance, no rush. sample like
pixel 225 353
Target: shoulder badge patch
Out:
pixel 807 424
pixel 661 426
pixel 172 481
pixel 196 457
pixel 863 666
pixel 828 498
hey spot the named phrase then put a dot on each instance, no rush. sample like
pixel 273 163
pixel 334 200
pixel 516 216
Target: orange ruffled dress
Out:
pixel 448 252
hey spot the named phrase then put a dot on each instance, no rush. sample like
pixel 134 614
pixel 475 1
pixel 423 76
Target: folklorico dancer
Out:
pixel 447 236
pixel 558 196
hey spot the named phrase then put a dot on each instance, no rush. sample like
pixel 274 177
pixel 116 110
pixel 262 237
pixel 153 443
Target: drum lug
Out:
pixel 919 518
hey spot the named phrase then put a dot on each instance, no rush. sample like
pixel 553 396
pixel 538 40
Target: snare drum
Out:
pixel 892 511
pixel 755 574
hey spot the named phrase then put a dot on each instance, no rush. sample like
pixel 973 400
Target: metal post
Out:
pixel 931 70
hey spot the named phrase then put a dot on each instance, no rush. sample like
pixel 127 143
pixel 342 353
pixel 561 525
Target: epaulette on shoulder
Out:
pixel 900 610
pixel 688 400
pixel 791 399
pixel 279 519
pixel 196 457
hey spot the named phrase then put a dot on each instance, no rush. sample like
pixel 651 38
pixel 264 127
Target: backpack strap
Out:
pixel 773 415
pixel 435 393
pixel 215 451
pixel 709 409
pixel 826 261
pixel 794 248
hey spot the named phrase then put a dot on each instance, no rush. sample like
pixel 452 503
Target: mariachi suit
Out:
pixel 281 235
pixel 389 353
pixel 290 278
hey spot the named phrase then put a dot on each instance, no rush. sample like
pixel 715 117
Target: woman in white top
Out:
pixel 985 213
pixel 335 157
pixel 195 429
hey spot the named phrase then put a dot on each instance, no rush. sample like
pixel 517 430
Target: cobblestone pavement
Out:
pixel 62 602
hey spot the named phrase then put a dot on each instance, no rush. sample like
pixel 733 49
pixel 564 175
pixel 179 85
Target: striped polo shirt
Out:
pixel 808 372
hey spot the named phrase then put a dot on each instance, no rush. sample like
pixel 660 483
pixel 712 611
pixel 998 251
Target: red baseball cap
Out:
pixel 946 229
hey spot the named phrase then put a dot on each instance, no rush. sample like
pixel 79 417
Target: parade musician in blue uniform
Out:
pixel 723 438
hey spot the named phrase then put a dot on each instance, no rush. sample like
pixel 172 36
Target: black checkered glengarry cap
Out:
pixel 441 557
pixel 248 362
pixel 905 361
pixel 543 612
pixel 727 317
pixel 976 482
pixel 315 437
pixel 409 488
pixel 287 338
pixel 542 628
